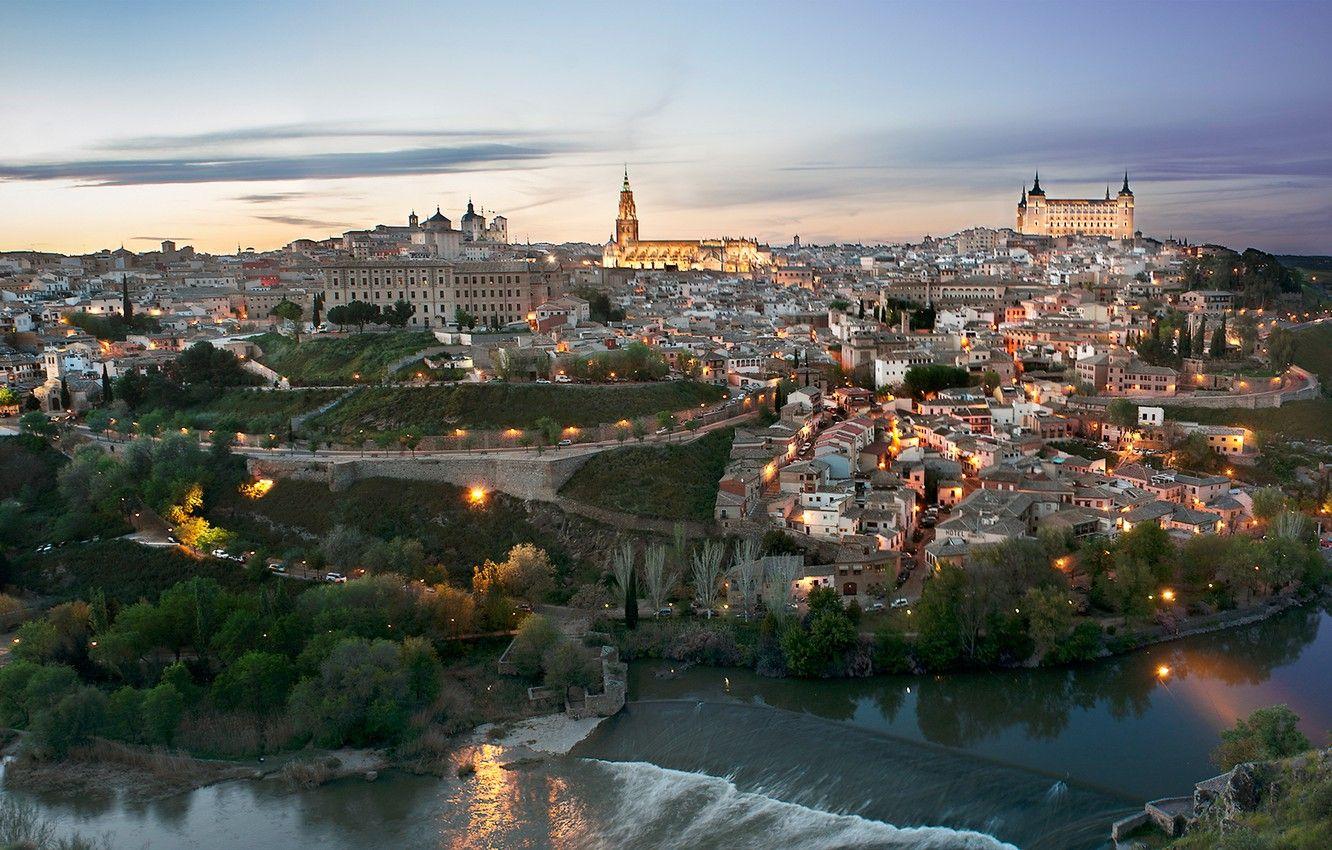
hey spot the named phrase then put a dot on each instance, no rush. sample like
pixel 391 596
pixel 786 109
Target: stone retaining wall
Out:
pixel 525 477
pixel 1309 389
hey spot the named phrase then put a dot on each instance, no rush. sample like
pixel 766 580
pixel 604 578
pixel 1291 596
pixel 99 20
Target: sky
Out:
pixel 236 123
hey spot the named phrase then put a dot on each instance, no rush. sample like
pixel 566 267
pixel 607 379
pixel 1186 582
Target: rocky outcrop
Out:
pixel 1240 790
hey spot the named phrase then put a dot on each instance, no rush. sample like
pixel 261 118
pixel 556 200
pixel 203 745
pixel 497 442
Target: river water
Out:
pixel 723 758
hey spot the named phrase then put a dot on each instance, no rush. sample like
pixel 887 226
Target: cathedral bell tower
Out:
pixel 626 223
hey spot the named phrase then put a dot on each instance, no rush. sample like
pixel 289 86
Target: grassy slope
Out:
pixel 1295 813
pixel 1302 419
pixel 438 410
pixel 333 360
pixel 670 481
pixel 1298 419
pixel 255 411
pixel 122 569
pixel 451 531
pixel 28 470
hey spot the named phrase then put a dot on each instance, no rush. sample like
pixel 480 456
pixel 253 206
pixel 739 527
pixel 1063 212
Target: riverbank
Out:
pixel 108 769
pixel 730 642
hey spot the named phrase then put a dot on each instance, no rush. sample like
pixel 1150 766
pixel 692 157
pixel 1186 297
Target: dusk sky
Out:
pixel 257 123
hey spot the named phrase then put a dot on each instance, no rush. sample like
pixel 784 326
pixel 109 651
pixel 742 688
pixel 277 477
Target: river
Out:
pixel 1033 758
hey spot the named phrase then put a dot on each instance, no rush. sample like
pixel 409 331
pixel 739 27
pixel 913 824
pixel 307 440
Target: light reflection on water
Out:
pixel 1041 758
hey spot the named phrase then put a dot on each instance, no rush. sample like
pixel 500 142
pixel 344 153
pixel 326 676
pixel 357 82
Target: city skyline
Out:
pixel 145 121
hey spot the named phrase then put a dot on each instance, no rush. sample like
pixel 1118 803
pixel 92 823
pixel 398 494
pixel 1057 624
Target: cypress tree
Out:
pixel 631 602
pixel 1200 338
pixel 125 306
pixel 1219 340
pixel 1185 343
pixel 64 394
pixel 107 395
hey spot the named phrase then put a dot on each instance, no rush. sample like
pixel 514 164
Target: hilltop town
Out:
pixel 1004 446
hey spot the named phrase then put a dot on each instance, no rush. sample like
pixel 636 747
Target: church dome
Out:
pixel 437 221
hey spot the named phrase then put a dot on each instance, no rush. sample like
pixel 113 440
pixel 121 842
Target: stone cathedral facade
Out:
pixel 627 251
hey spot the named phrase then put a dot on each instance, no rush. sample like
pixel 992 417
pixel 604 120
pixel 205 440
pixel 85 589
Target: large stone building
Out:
pixel 627 251
pixel 1041 216
pixel 494 293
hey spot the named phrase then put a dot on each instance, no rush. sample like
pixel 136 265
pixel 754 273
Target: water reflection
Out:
pixel 1041 718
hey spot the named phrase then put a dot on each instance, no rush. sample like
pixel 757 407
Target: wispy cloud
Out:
pixel 300 221
pixel 161 238
pixel 322 166
pixel 313 131
pixel 273 197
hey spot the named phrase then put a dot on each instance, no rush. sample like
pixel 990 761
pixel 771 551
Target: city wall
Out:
pixel 522 477
pixel 1306 386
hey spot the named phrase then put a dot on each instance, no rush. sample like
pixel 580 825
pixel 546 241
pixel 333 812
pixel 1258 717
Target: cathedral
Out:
pixel 1041 216
pixel 627 251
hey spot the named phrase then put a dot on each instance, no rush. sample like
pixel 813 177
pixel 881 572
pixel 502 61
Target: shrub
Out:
pixel 1268 733
pixel 535 637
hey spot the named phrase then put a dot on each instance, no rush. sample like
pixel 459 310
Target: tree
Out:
pixel 567 666
pixel 939 641
pixel 74 719
pixel 163 708
pixel 1049 616
pixel 658 576
pixel 463 318
pixel 749 573
pixel 97 420
pixel 547 430
pixel 921 381
pixel 1185 344
pixel 1268 502
pixel 289 311
pixel 1218 347
pixel 35 422
pixel 706 572
pixel 990 380
pixel 1193 453
pixel 536 636
pixel 399 314
pixel 1200 338
pixel 665 419
pixel 527 572
pixel 1122 413
pixel 1281 348
pixel 1266 734
pixel 108 395
pixel 622 569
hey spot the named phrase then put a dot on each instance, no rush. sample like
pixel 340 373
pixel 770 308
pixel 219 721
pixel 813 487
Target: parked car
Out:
pixel 221 553
pixel 524 607
pixel 876 606
pixel 900 602
pixel 563 379
pixel 335 578
pixel 46 547
pixel 661 431
pixel 566 442
pixel 279 567
pixel 543 380
pixel 664 612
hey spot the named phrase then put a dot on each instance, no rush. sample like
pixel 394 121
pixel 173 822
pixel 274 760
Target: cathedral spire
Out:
pixel 1126 190
pixel 625 187
pixel 1036 187
pixel 1107 191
